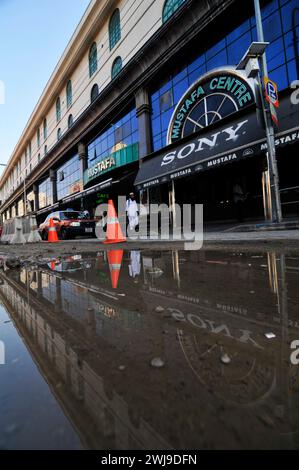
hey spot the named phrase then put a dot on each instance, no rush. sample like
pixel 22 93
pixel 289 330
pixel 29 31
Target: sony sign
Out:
pixel 229 134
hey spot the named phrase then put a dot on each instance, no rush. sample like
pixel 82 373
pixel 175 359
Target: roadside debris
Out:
pixel 159 309
pixel 157 362
pixel 270 335
pixel 9 262
pixel 225 359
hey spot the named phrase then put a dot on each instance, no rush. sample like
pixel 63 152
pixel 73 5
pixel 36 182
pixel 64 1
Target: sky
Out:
pixel 33 36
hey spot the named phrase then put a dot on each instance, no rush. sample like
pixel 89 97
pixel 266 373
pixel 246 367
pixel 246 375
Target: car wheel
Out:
pixel 63 234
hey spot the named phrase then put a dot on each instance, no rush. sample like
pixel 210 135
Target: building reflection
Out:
pixel 81 332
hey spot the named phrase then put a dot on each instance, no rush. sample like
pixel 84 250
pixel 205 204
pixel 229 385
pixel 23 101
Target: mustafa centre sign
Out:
pixel 209 100
pixel 216 122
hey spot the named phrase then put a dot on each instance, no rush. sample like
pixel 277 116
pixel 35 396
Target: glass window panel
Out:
pixel 279 76
pixel 243 28
pixel 218 60
pixel 293 71
pixel 215 49
pixel 236 50
pixel 166 101
pixel 179 90
pixel 290 15
pixel 272 27
pixel 275 54
pixel 270 8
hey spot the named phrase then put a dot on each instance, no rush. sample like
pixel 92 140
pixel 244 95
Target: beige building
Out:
pixel 115 94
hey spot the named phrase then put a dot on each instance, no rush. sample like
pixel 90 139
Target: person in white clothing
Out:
pixel 132 211
pixel 135 265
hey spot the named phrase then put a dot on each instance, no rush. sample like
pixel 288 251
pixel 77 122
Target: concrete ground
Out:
pixel 262 240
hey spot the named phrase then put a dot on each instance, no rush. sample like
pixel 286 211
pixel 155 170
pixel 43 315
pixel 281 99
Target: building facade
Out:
pixel 147 95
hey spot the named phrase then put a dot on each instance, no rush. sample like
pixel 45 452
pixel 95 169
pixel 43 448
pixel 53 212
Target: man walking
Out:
pixel 132 211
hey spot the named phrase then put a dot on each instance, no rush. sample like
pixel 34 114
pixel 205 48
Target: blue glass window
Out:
pixel 281 55
pixel 45 129
pixel 69 94
pixel 58 110
pixel 94 93
pixel 69 178
pixel 70 121
pixel 38 137
pixel 45 193
pixel 290 15
pixel 93 59
pixel 116 67
pixel 122 133
pixel 170 7
pixel 236 50
pixel 114 29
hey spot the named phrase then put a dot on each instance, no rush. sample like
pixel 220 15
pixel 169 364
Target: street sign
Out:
pixel 272 98
pixel 271 92
pixel 273 114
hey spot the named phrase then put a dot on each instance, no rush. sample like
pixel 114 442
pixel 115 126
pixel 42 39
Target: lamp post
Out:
pixel 276 215
pixel 251 63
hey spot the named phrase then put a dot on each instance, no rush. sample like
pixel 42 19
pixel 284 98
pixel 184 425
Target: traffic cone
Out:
pixel 52 233
pixel 114 259
pixel 53 265
pixel 114 233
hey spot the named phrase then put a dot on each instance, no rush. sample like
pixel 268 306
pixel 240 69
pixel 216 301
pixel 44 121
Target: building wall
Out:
pixel 139 21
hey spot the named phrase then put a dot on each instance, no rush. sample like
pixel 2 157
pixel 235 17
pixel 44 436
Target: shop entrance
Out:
pixel 217 190
pixel 288 169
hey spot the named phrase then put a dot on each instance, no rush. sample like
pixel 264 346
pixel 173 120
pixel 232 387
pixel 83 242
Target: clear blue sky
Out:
pixel 33 35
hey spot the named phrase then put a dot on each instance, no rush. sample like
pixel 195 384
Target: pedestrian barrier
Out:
pixel 34 235
pixel 18 236
pixel 114 233
pixel 20 230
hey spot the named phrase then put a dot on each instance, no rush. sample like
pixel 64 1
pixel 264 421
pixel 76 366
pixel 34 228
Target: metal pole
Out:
pixel 271 155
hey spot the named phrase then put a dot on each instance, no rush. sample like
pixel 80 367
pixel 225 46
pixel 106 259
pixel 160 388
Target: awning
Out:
pixel 98 187
pixel 233 138
pixel 93 189
pixel 226 142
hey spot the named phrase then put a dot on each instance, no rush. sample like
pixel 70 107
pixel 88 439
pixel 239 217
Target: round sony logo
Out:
pixel 211 98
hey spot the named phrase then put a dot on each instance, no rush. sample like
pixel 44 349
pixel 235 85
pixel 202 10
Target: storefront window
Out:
pixel 45 194
pixel 119 135
pixel 69 178
pixel 282 55
pixel 20 207
pixel 30 201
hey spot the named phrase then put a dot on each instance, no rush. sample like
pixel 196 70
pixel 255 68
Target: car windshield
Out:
pixel 70 215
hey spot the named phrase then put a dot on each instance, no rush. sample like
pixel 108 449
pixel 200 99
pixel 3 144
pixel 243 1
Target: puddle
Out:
pixel 150 350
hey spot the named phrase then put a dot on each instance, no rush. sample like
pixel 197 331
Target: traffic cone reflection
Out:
pixel 52 233
pixel 114 259
pixel 114 233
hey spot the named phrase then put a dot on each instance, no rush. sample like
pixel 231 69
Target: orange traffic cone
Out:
pixel 114 233
pixel 114 259
pixel 53 265
pixel 52 233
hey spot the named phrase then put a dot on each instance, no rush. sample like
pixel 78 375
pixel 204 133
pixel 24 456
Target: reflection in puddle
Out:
pixel 93 325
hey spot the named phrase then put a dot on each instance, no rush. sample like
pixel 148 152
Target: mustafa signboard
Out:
pixel 210 99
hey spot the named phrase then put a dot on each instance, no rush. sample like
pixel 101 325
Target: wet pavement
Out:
pixel 150 350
